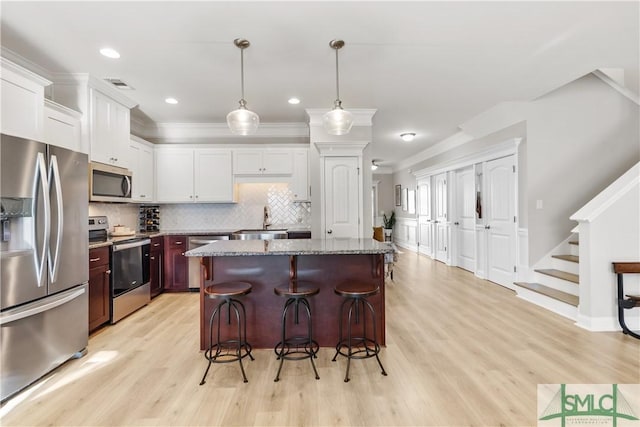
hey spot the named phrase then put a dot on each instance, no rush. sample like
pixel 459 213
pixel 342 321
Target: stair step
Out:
pixel 572 258
pixel 550 292
pixel 574 242
pixel 560 275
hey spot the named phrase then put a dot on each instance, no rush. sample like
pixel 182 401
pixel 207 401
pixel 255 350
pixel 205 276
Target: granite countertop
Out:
pixel 292 247
pixel 201 232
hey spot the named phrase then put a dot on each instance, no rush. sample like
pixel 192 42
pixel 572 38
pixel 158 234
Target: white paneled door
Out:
pixel 465 222
pixel 425 227
pixel 342 206
pixel 441 241
pixel 500 220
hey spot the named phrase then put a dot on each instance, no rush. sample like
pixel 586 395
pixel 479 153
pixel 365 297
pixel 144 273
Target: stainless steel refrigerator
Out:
pixel 44 259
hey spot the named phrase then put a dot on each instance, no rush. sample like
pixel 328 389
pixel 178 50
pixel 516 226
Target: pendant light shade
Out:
pixel 242 121
pixel 337 121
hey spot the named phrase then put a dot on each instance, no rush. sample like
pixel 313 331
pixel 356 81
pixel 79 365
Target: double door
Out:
pixel 433 221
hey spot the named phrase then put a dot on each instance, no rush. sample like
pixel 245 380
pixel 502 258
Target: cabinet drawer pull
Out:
pixel 155 245
pixel 178 243
pixel 153 257
pixel 94 259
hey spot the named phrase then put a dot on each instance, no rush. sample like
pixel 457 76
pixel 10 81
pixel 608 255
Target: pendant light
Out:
pixel 337 121
pixel 242 121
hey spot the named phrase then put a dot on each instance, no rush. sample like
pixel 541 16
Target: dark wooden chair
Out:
pixel 631 301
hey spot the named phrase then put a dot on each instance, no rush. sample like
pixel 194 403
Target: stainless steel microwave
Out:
pixel 109 183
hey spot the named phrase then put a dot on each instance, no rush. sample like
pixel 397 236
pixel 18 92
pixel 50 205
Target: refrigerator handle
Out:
pixel 54 177
pixel 41 175
pixel 21 314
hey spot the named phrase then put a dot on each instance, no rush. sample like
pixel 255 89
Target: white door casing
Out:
pixel 465 222
pixel 342 197
pixel 500 220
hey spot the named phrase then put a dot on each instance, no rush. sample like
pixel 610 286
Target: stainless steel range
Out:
pixel 129 263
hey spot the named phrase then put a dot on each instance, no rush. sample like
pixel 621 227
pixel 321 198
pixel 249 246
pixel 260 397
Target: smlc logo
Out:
pixel 588 404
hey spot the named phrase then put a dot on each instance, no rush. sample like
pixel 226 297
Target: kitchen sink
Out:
pixel 259 234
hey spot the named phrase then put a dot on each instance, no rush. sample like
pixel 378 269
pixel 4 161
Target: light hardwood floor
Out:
pixel 460 351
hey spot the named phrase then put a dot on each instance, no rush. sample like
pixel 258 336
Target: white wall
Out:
pixel 580 138
pixel 613 236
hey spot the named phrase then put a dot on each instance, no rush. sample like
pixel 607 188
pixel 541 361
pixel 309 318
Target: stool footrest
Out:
pixel 296 348
pixel 227 351
pixel 369 347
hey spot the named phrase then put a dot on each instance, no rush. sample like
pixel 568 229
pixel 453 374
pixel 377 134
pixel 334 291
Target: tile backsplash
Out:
pixel 247 213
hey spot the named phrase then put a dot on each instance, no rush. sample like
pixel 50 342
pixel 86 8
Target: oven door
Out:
pixel 129 267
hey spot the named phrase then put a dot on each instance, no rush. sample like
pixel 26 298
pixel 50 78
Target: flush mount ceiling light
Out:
pixel 109 53
pixel 293 101
pixel 374 165
pixel 171 101
pixel 337 121
pixel 242 121
pixel 407 136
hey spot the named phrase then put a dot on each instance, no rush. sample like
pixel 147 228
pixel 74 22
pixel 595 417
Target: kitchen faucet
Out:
pixel 266 220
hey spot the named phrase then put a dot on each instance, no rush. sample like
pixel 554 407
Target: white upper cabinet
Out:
pixel 262 162
pixel 300 179
pixel 194 175
pixel 213 180
pixel 174 175
pixel 106 123
pixel 62 126
pixel 109 129
pixel 141 165
pixel 22 101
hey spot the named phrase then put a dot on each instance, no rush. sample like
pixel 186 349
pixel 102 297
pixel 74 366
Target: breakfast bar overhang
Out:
pixel 266 264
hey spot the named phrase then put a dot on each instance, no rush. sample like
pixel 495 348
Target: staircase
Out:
pixel 555 287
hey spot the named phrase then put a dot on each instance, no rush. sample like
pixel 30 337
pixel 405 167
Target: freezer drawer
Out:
pixel 40 336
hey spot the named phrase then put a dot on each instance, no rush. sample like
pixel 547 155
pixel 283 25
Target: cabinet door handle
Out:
pixel 182 253
pixel 456 223
pixel 329 231
pixel 153 258
pixel 487 227
pixel 94 259
pixel 108 272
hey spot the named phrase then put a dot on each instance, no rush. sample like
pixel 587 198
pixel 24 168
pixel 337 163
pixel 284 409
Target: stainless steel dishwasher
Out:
pixel 194 262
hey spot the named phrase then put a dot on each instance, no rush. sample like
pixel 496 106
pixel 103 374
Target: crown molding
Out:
pixel 23 72
pixel 25 67
pixel 178 132
pixel 351 148
pixel 502 149
pixel 361 116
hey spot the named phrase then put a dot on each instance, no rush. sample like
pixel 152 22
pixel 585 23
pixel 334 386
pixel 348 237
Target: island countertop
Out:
pixel 337 246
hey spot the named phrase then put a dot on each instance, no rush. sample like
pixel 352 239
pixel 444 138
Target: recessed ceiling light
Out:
pixel 407 136
pixel 171 101
pixel 110 53
pixel 294 101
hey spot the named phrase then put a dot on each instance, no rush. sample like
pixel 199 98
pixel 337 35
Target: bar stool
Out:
pixel 362 346
pixel 296 347
pixel 229 350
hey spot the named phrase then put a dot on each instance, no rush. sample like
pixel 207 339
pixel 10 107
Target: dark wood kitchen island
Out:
pixel 270 263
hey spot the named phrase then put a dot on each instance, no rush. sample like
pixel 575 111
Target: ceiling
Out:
pixel 427 67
